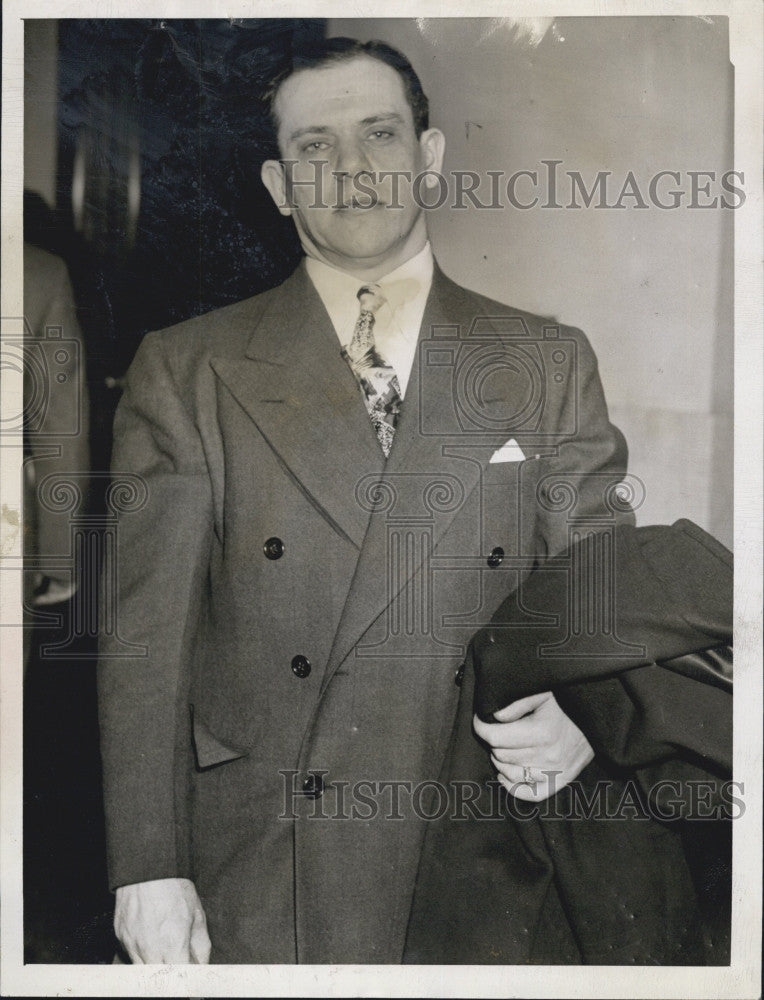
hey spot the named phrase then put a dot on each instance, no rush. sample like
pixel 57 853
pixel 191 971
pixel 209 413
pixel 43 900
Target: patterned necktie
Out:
pixel 379 383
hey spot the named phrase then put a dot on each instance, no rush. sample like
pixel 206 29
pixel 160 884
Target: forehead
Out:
pixel 341 93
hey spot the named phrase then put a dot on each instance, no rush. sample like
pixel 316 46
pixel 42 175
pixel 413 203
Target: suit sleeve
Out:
pixel 590 457
pixel 151 605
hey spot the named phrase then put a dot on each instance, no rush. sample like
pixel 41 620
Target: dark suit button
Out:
pixel 459 675
pixel 496 557
pixel 313 786
pixel 301 666
pixel 273 548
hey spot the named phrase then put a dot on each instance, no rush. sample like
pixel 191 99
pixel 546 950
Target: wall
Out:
pixel 40 141
pixel 652 288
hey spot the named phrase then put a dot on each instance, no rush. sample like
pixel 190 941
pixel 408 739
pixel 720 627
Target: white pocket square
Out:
pixel 509 452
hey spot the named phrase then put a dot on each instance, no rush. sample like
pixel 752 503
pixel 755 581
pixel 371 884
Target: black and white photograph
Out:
pixel 381 443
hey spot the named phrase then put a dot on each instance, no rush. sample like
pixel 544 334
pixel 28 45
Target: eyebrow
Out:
pixel 310 130
pixel 390 116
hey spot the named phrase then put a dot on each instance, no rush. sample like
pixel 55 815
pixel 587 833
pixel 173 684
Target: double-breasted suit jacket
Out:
pixel 292 610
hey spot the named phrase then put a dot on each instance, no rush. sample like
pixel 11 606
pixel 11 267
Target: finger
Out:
pixel 175 953
pixel 201 948
pixel 526 732
pixel 526 793
pixel 516 773
pixel 517 709
pixel 163 950
pixel 521 774
pixel 121 935
pixel 544 757
pixel 516 789
pixel 523 706
pixel 497 734
pixel 128 942
pixel 132 951
pixel 201 945
pixel 485 730
pixel 519 755
pixel 174 943
pixel 537 792
pixel 149 953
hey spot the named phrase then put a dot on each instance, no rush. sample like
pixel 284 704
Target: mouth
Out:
pixel 354 205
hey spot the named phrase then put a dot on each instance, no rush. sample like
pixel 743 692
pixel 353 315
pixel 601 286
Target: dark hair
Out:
pixel 324 52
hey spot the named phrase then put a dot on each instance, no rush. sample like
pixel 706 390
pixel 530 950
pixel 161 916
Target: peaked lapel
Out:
pixel 294 384
pixel 415 457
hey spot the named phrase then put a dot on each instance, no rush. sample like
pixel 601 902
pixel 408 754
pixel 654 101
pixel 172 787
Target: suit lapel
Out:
pixel 296 387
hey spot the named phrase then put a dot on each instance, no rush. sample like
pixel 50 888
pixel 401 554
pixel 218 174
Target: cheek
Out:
pixel 395 157
pixel 405 182
pixel 315 221
pixel 311 183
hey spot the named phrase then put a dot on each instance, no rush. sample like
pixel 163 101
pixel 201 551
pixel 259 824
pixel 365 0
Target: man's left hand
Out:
pixel 530 737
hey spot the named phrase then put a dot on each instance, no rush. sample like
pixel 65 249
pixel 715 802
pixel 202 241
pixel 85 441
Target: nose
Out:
pixel 351 158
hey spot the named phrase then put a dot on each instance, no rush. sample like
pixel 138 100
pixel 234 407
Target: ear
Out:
pixel 272 175
pixel 432 147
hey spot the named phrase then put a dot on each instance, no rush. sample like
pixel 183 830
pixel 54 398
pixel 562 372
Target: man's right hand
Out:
pixel 162 921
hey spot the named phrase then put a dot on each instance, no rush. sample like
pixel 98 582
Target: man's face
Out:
pixel 352 116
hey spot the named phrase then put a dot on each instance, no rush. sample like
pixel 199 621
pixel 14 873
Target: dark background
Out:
pixel 177 103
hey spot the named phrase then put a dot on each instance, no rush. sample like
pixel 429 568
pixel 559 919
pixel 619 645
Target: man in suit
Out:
pixel 343 478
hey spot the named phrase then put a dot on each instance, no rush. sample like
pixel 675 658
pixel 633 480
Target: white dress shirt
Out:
pixel 396 322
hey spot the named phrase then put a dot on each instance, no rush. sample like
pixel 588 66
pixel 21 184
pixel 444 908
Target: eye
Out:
pixel 315 145
pixel 381 135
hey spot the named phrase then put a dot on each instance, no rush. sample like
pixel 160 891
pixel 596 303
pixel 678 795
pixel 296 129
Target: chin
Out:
pixel 365 241
pixel 364 249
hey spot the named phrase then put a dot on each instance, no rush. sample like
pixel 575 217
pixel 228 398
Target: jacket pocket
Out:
pixel 209 751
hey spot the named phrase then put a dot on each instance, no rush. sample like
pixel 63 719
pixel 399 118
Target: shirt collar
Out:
pixel 406 283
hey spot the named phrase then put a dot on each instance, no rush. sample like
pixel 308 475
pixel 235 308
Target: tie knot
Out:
pixel 370 297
